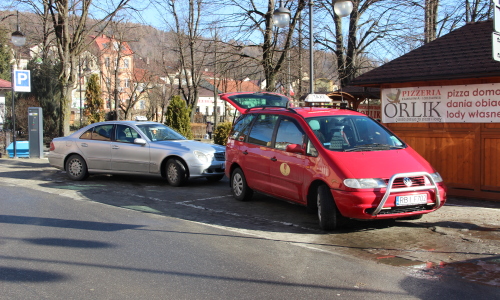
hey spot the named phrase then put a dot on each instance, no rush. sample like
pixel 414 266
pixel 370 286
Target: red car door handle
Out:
pixel 274 159
pixel 245 152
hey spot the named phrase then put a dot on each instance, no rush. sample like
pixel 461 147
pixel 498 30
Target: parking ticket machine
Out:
pixel 35 129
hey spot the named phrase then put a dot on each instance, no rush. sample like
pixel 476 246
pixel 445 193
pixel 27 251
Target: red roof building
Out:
pixel 5 85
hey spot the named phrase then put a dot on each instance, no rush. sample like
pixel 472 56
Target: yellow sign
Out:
pixel 285 169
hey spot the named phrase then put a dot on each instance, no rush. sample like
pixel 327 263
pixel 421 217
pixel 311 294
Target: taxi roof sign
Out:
pixel 318 98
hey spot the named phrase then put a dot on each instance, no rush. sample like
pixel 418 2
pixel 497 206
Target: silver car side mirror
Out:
pixel 141 142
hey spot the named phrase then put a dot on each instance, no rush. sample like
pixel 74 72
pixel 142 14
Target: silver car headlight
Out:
pixel 437 178
pixel 365 183
pixel 203 157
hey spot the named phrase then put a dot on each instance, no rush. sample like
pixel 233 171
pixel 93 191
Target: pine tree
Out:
pixel 94 105
pixel 177 117
pixel 5 56
pixel 45 88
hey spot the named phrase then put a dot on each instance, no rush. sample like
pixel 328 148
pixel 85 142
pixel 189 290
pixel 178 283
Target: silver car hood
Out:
pixel 190 144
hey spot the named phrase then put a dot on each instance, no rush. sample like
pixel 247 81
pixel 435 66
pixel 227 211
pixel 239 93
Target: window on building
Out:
pixel 126 63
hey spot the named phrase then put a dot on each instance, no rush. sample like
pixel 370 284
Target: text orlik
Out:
pixel 479 103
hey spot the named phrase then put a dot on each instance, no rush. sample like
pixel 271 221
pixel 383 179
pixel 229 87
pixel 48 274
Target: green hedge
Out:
pixel 222 132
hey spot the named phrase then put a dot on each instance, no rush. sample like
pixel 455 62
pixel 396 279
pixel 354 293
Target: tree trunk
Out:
pixel 431 14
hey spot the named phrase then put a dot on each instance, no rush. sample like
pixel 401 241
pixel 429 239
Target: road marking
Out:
pixel 142 208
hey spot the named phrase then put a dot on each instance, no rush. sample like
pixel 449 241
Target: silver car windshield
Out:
pixel 353 133
pixel 160 132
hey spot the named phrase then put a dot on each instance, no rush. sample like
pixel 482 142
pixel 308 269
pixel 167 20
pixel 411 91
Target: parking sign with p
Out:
pixel 22 81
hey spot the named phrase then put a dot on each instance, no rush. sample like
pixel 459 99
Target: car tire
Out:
pixel 329 216
pixel 175 172
pixel 215 178
pixel 76 168
pixel 239 187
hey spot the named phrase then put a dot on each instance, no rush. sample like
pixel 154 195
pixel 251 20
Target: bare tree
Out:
pixel 252 25
pixel 185 23
pixel 69 20
pixel 371 22
pixel 477 10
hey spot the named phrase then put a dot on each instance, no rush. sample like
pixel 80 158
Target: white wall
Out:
pixel 2 108
pixel 207 104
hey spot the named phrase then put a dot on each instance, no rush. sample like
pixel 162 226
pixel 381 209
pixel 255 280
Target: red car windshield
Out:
pixel 353 133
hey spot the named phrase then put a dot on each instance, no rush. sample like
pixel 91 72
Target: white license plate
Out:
pixel 411 200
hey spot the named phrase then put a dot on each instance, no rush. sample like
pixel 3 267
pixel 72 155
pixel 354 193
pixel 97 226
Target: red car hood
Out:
pixel 381 164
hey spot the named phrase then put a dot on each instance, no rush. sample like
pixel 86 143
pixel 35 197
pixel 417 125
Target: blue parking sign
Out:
pixel 22 81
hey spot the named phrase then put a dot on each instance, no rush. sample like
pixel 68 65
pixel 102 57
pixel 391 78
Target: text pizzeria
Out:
pixel 421 93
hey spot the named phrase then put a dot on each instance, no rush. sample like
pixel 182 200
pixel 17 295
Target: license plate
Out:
pixel 223 166
pixel 411 200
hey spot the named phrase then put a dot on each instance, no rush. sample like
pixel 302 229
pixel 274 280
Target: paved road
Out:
pixel 262 241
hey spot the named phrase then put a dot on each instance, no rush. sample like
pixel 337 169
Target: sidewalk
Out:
pixel 5 162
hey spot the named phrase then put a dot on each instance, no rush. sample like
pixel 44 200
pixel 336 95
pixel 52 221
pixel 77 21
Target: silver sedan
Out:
pixel 133 147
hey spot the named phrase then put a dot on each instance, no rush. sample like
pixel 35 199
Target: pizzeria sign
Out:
pixel 476 103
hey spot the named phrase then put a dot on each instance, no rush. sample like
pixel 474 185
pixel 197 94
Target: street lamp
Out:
pixel 342 8
pixel 82 77
pixel 281 16
pixel 18 39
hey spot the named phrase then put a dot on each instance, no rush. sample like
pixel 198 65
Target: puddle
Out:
pixel 397 261
pixel 485 271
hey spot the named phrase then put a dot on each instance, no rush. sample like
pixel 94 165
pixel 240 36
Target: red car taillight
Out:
pixel 52 147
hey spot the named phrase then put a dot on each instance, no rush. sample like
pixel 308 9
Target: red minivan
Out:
pixel 339 162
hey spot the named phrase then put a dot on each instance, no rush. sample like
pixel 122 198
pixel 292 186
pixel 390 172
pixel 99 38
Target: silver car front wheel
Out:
pixel 176 172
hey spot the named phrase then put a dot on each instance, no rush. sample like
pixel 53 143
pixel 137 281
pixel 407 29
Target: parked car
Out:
pixel 132 147
pixel 338 162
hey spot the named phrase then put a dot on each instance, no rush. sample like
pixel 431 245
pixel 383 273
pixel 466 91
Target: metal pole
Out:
pixel 311 48
pixel 80 79
pixel 14 155
pixel 215 85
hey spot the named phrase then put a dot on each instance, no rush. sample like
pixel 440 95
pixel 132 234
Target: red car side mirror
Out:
pixel 295 148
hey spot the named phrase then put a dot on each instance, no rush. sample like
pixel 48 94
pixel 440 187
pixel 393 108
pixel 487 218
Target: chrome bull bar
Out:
pixel 390 189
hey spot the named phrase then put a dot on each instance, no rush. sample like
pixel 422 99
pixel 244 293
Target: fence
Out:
pixel 5 140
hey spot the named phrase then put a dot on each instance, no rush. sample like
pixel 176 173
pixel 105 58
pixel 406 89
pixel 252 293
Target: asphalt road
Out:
pixel 126 237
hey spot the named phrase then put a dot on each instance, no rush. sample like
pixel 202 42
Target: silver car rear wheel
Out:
pixel 76 168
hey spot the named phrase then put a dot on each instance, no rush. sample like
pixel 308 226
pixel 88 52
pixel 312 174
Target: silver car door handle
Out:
pixel 85 145
pixel 116 147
